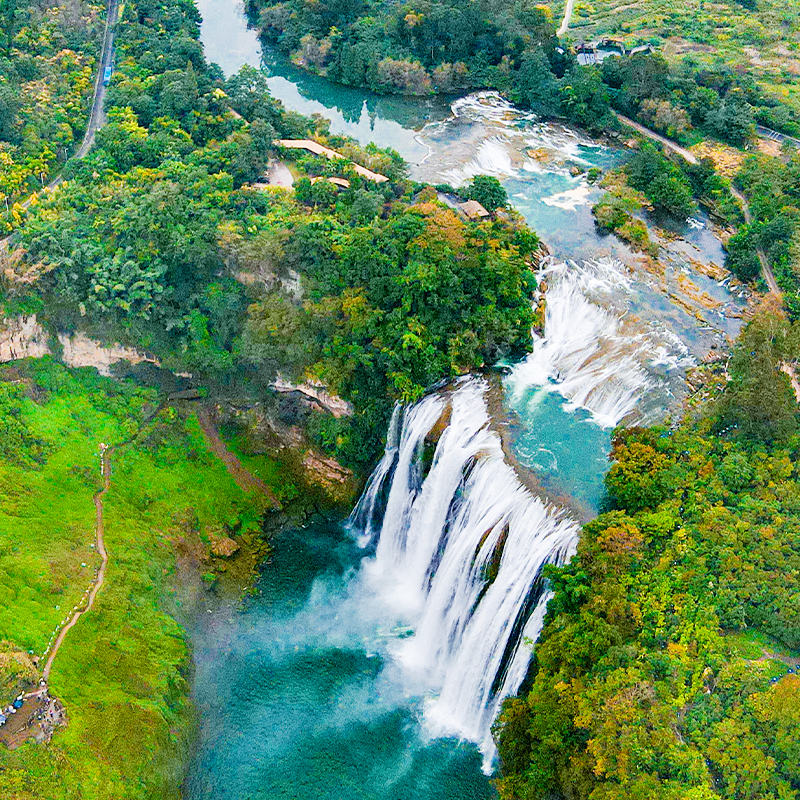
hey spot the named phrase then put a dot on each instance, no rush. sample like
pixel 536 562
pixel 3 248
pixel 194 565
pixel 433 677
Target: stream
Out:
pixel 374 653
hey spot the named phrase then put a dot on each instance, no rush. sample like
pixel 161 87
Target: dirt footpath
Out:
pixel 243 477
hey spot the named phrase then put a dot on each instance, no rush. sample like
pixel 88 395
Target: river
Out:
pixel 373 656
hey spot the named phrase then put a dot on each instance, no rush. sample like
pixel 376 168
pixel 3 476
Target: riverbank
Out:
pixel 127 673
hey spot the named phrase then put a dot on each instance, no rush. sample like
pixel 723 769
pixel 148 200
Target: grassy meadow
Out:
pixel 122 671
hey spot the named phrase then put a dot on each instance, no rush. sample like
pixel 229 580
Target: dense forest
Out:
pixel 166 237
pixel 421 48
pixel 667 667
pixel 47 65
pixel 159 238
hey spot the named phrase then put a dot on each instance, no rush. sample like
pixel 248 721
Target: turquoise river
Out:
pixel 324 684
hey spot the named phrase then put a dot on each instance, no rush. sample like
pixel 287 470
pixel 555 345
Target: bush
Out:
pixel 488 192
pixel 741 257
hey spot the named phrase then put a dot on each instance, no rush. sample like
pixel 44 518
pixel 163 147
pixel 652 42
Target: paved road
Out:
pixel 668 143
pixel 567 16
pixel 97 116
pixel 766 269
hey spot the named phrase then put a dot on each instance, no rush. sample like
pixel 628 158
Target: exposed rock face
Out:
pixel 285 439
pixel 224 546
pixel 25 337
pixel 81 351
pixel 326 472
pixel 316 391
pixel 22 337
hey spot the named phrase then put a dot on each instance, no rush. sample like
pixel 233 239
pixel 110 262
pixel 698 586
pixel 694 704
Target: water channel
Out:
pixel 334 681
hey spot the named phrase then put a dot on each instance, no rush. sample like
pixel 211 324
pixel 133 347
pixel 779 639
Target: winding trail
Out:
pixel 100 542
pixel 668 143
pixel 562 29
pixel 769 275
pixel 101 573
pixel 766 269
pixel 243 477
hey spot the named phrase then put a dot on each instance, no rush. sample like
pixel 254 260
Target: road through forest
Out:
pixel 766 269
pixel 567 16
pixel 97 116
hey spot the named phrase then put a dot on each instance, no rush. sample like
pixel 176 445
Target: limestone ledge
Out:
pixel 25 337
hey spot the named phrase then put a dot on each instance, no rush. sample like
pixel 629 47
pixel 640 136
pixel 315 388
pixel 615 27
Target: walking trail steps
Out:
pixel 101 573
pixel 321 150
pixel 245 480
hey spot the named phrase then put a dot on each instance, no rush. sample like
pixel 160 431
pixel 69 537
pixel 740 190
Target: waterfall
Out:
pixel 459 548
pixel 455 545
pixel 596 353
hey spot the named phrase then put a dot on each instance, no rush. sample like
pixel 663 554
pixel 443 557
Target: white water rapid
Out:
pixel 459 547
pixel 596 353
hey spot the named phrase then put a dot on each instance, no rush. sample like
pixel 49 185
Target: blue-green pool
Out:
pixel 294 698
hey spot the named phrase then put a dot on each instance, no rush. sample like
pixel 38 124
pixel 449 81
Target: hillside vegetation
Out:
pixel 420 47
pixel 667 667
pixel 663 668
pixel 123 670
pixel 158 238
pixel 48 53
pixel 759 39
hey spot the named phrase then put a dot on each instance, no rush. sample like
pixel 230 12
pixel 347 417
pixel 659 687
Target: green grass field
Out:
pixel 122 671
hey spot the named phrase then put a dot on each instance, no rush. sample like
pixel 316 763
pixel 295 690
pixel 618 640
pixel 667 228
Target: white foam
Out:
pixel 438 537
pixel 571 199
pixel 594 353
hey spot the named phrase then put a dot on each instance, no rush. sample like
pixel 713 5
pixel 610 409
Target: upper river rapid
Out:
pixel 371 659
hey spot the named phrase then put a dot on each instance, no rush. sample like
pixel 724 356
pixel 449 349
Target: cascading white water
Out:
pixel 594 353
pixel 459 556
pixel 457 543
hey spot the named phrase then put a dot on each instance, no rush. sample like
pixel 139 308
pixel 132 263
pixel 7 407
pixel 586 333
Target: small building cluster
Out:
pixel 472 209
pixel 31 716
pixel 596 52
